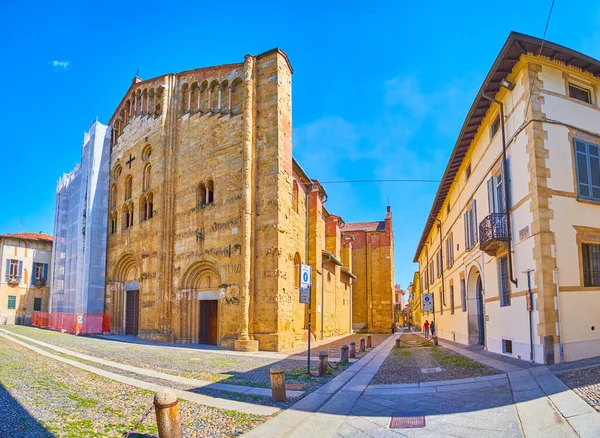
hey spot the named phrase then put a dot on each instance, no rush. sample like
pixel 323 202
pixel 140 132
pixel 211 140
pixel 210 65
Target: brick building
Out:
pixel 373 265
pixel 208 218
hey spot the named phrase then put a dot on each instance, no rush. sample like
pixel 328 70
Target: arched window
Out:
pixel 147 173
pixel 127 112
pixel 214 96
pixel 297 263
pixel 195 97
pixel 210 191
pixel 201 195
pixel 125 218
pixel 113 196
pixel 117 172
pixel 128 187
pixel 236 96
pixel 130 214
pixel 225 96
pixel 113 222
pixel 147 152
pixel 144 102
pixel 150 207
pixel 143 207
pixel 185 98
pixel 138 104
pixel 204 96
pixel 159 95
pixel 151 101
pixel 295 196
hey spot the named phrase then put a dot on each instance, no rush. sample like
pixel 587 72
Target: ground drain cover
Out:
pixel 431 370
pixel 407 420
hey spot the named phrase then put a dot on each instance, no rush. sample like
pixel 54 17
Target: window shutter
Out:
pixel 583 180
pixel 33 273
pixel 7 273
pixel 45 271
pixel 20 270
pixel 474 220
pixel 491 200
pixel 466 221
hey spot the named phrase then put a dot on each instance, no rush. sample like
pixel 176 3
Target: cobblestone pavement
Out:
pixel 42 397
pixel 482 412
pixel 196 363
pixel 405 364
pixel 586 384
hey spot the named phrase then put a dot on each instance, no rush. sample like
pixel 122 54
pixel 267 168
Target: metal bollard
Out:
pixel 362 345
pixel 167 414
pixel 352 349
pixel 369 345
pixel 323 360
pixel 344 358
pixel 397 342
pixel 278 384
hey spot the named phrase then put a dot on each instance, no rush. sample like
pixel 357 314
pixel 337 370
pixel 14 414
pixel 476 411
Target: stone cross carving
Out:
pixel 131 159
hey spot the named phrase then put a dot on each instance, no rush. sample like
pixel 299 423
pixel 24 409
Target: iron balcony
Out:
pixel 493 233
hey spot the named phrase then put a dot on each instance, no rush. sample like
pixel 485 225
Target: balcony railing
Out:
pixel 493 233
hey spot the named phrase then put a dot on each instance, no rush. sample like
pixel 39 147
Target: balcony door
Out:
pixel 496 194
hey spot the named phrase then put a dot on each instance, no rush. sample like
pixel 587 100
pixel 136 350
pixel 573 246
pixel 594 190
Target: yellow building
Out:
pixel 24 288
pixel 211 217
pixel 511 250
pixel 414 302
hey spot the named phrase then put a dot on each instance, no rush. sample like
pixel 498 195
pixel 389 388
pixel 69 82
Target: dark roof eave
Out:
pixel 524 44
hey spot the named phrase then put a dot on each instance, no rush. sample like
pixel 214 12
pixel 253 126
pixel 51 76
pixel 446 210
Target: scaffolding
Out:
pixel 80 232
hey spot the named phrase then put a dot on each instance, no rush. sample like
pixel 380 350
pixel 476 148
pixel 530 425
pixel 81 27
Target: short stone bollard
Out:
pixel 397 342
pixel 352 349
pixel 344 358
pixel 323 361
pixel 435 341
pixel 278 384
pixel 369 345
pixel 166 409
pixel 362 345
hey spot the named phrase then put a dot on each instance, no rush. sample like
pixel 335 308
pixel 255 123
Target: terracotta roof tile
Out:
pixel 364 226
pixel 40 237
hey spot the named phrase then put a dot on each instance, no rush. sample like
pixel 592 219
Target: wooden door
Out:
pixel 208 322
pixel 132 311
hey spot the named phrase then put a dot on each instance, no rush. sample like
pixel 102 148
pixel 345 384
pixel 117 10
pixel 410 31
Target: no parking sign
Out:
pixel 427 302
pixel 305 283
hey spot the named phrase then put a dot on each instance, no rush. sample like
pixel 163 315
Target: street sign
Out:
pixel 427 302
pixel 305 283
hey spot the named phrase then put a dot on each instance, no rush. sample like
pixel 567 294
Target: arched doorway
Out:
pixel 199 305
pixel 475 308
pixel 125 302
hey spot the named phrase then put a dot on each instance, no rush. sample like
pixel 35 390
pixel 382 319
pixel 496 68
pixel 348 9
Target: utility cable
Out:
pixel 381 180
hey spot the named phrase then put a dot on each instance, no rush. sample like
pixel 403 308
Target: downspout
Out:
pixel 367 278
pixel 312 186
pixel 323 296
pixel 506 190
pixel 530 295
pixel 428 283
pixel 559 324
pixel 441 262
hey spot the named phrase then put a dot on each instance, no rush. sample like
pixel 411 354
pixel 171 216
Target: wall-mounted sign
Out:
pixel 427 302
pixel 305 283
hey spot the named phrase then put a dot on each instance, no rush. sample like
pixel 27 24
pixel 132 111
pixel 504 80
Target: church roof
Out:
pixel 516 45
pixel 39 237
pixel 378 226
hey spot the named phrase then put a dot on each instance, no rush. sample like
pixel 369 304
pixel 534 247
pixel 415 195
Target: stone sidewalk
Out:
pixel 523 401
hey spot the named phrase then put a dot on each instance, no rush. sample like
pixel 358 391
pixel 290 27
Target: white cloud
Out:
pixel 60 64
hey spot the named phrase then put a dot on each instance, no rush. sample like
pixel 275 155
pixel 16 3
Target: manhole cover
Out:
pixel 407 420
pixel 431 370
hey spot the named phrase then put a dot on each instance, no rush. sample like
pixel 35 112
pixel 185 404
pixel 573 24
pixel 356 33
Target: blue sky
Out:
pixel 380 89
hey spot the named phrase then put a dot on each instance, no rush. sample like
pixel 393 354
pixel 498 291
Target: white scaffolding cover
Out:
pixel 80 229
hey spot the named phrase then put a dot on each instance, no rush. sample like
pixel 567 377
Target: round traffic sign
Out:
pixel 305 276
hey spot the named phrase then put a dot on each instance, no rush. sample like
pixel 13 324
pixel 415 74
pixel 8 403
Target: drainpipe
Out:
pixel 312 186
pixel 441 261
pixel 427 280
pixel 367 278
pixel 505 176
pixel 530 295
pixel 323 296
pixel 560 340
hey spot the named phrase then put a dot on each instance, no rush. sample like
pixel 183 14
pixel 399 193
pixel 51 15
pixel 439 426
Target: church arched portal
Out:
pixel 125 300
pixel 199 305
pixel 475 308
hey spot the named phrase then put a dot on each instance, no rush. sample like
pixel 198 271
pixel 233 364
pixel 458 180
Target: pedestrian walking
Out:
pixel 432 327
pixel 426 329
pixel 393 327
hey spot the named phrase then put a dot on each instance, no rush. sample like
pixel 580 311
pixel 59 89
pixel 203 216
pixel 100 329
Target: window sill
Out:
pixel 588 201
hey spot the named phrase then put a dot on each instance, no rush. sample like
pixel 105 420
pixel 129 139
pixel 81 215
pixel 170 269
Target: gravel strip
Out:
pixel 586 384
pixel 42 397
pixel 405 364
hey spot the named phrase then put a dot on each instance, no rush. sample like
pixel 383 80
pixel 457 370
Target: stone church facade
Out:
pixel 210 216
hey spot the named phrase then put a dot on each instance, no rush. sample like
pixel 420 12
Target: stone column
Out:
pixel 244 343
